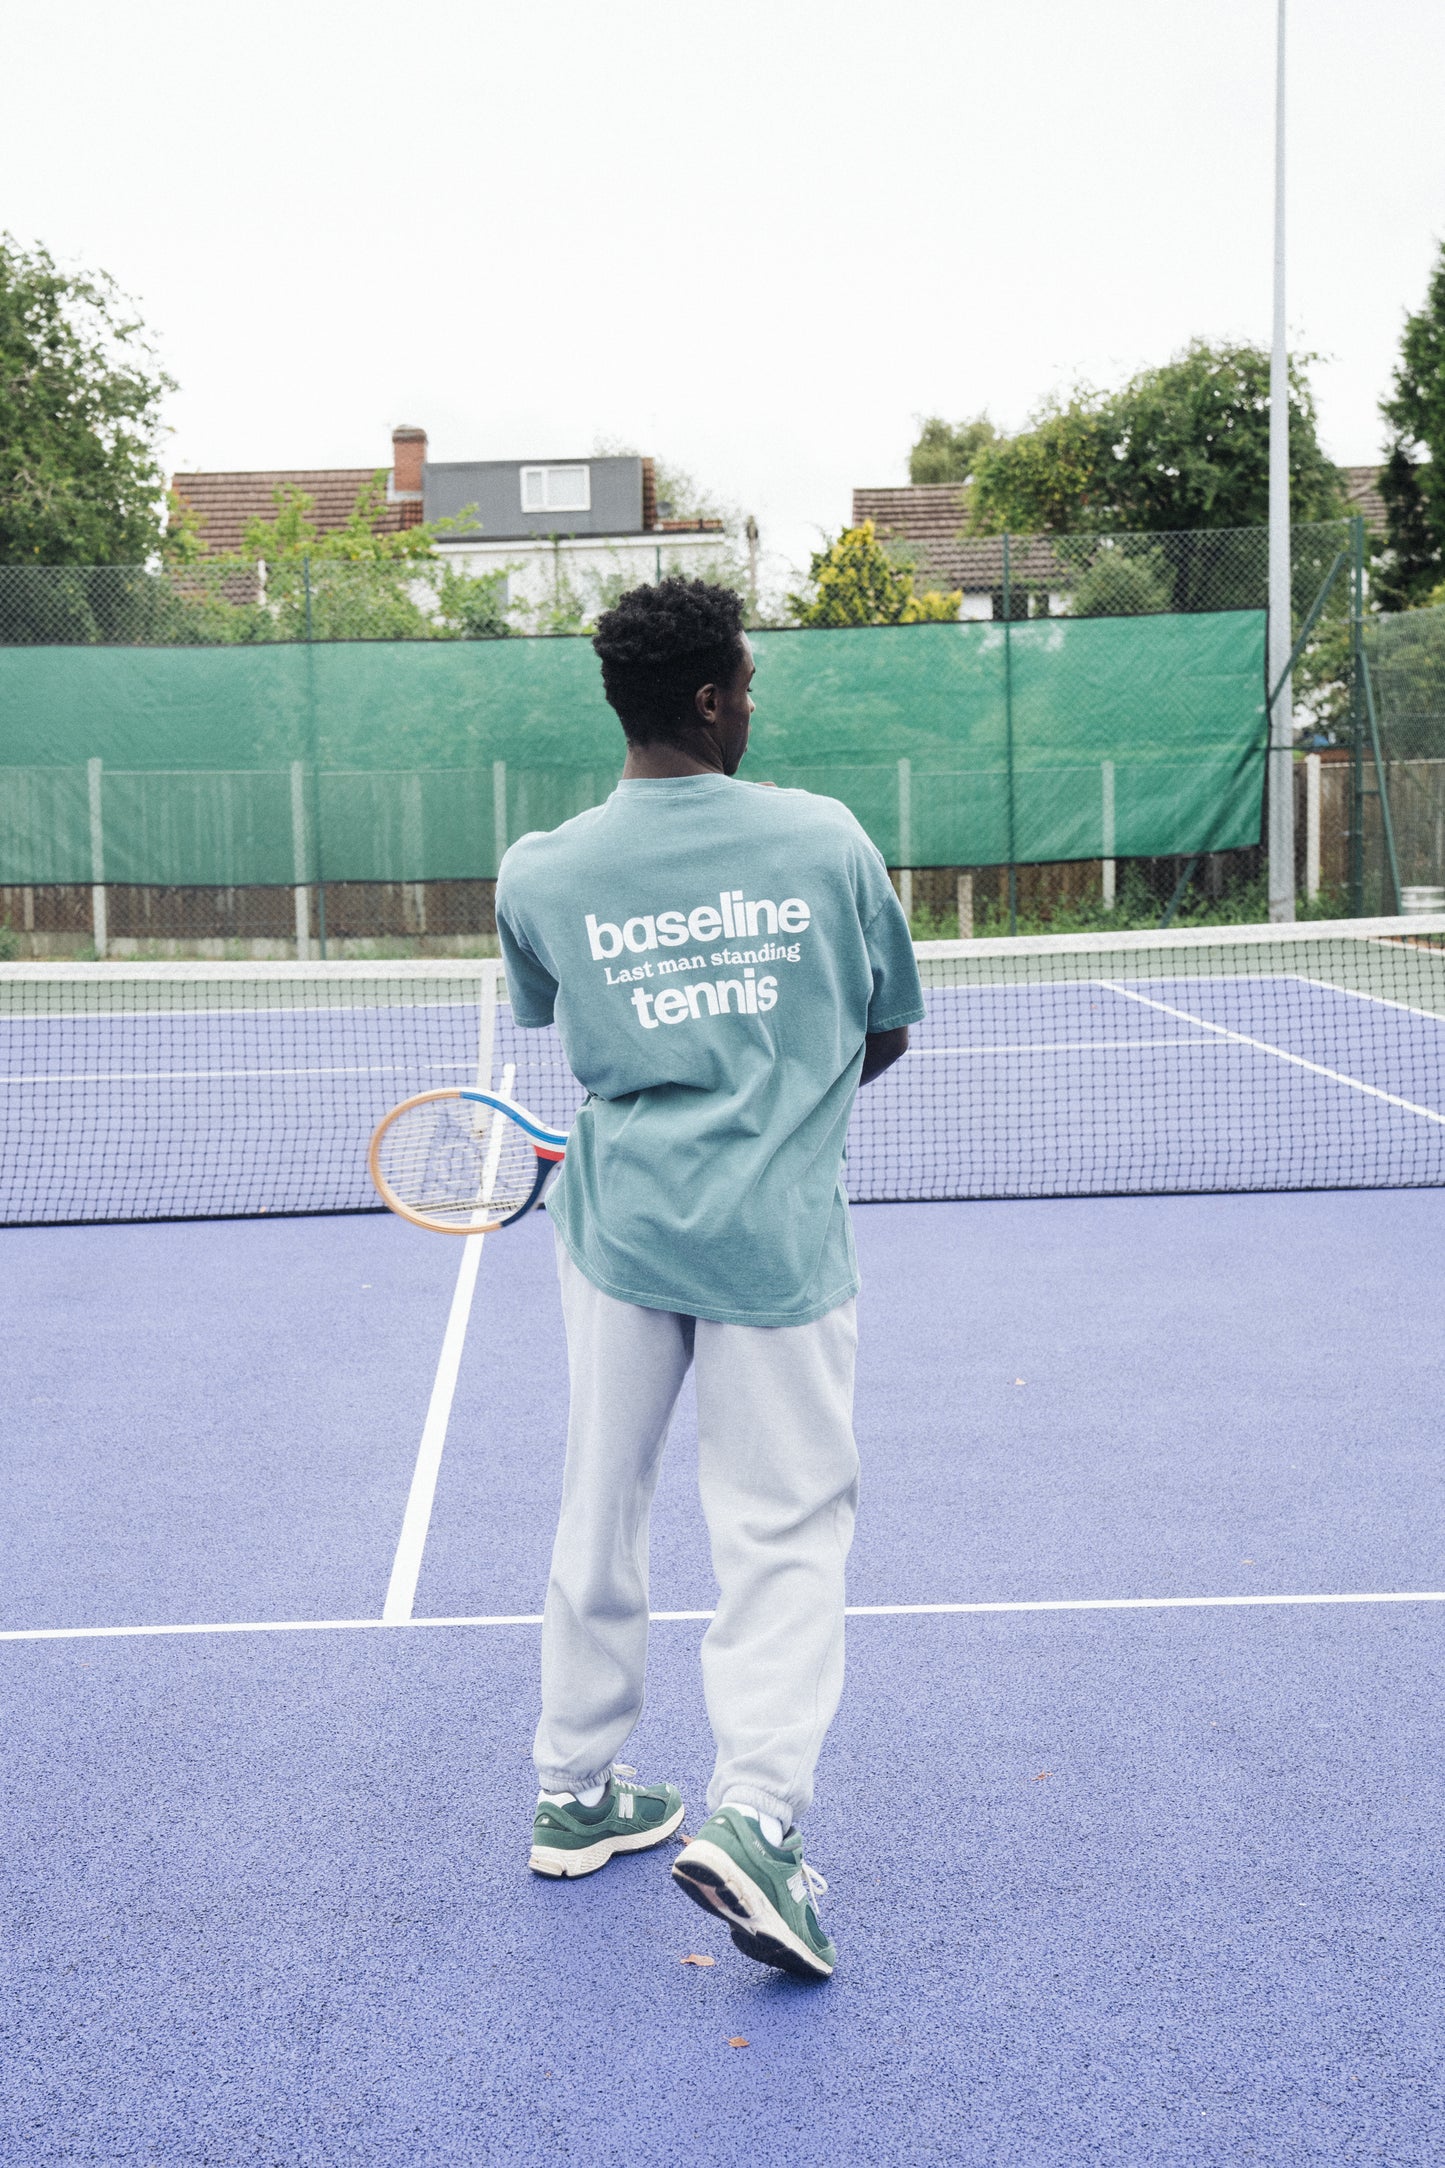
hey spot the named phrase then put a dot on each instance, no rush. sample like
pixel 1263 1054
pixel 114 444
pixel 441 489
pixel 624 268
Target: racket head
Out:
pixel 462 1162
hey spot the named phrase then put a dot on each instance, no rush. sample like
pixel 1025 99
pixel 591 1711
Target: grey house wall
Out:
pixel 494 486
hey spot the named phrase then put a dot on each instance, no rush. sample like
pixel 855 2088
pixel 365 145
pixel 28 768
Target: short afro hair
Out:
pixel 659 645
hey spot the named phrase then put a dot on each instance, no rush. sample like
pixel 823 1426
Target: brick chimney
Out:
pixel 408 457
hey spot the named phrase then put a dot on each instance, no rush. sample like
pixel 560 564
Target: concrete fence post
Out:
pixel 905 837
pixel 97 858
pixel 1312 824
pixel 299 865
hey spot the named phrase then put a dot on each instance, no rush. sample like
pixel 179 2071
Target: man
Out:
pixel 725 963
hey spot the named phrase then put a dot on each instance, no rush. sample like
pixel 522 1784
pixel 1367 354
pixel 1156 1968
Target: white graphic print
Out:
pixel 736 918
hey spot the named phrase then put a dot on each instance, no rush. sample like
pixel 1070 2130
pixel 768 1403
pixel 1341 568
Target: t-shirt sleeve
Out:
pixel 897 992
pixel 530 984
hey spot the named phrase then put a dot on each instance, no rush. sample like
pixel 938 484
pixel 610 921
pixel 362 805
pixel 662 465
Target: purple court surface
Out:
pixel 1132 1838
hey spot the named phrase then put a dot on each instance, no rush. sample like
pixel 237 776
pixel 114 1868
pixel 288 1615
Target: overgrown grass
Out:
pixel 1138 908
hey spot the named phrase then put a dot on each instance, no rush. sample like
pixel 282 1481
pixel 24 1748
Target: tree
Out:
pixel 360 582
pixel 80 398
pixel 1184 446
pixel 1413 481
pixel 949 451
pixel 1053 477
pixel 1118 583
pixel 854 581
pixel 293 534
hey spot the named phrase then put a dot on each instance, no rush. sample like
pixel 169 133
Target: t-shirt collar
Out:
pixel 672 786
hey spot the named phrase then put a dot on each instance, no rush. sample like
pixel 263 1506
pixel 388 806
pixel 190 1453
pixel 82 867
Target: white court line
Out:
pixel 416 1521
pixel 237 1011
pixel 854 1610
pixel 1381 1001
pixel 208 1076
pixel 1262 1046
pixel 1066 1046
pixel 406 1565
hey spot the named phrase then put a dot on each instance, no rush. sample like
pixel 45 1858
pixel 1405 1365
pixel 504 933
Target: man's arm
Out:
pixel 880 1050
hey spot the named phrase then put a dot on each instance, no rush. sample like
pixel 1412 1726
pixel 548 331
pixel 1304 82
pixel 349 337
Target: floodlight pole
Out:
pixel 1281 718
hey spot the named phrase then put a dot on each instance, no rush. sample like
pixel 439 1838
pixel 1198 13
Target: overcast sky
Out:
pixel 757 239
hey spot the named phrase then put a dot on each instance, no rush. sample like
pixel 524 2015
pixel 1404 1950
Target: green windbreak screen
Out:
pixel 955 744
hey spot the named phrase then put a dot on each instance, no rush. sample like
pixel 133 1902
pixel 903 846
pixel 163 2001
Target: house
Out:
pixel 1362 496
pixel 553 525
pixel 927 519
pixel 580 524
pixel 226 503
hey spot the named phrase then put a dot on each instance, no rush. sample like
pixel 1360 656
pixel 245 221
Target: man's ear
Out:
pixel 705 700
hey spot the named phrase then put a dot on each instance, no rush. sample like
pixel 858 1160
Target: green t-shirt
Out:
pixel 713 953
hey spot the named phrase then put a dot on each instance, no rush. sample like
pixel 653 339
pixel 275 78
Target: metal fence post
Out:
pixel 313 734
pixel 1108 837
pixel 1008 713
pixel 1312 824
pixel 1356 870
pixel 1280 719
pixel 1387 825
pixel 97 859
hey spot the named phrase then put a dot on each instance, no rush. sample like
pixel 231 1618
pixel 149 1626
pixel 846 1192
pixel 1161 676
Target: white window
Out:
pixel 556 489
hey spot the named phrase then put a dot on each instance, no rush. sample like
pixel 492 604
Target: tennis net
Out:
pixel 1240 1058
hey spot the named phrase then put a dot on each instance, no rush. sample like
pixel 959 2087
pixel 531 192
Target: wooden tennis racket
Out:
pixel 463 1162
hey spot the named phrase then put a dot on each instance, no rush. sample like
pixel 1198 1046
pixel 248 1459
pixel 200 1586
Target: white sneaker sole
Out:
pixel 713 1879
pixel 561 1866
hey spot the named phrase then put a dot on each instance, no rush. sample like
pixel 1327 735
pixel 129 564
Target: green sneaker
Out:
pixel 573 1839
pixel 765 1893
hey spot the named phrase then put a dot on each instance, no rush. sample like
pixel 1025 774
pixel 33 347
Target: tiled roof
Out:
pixel 227 503
pixel 928 517
pixel 1362 494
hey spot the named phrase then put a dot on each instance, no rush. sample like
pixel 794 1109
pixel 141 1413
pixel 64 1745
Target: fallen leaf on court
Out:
pixel 693 1959
pixel 738 2042
pixel 1042 1774
pixel 1018 1381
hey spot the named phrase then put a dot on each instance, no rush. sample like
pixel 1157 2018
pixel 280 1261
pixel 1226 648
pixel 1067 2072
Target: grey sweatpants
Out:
pixel 778 1473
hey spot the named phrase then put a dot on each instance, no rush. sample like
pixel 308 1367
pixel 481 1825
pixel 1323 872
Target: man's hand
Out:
pixel 880 1050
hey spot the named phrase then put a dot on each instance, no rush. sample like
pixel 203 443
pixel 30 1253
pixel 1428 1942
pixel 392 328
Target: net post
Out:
pixel 1008 724
pixel 298 861
pixel 905 837
pixel 1106 776
pixel 93 772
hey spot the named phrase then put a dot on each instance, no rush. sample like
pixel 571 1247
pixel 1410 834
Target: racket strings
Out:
pixel 456 1161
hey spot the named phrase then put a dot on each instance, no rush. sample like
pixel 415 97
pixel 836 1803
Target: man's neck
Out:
pixel 652 763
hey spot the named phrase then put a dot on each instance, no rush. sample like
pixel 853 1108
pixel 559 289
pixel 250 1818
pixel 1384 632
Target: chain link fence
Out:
pixel 232 602
pixel 1006 579
pixel 229 602
pixel 1406 655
